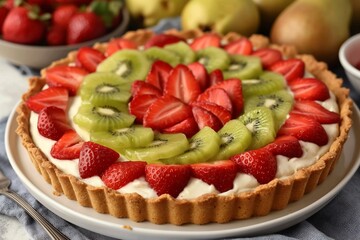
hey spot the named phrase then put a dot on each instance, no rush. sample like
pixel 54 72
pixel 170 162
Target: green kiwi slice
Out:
pixel 260 122
pixel 163 146
pixel 103 117
pixel 213 58
pixel 235 138
pixel 204 145
pixel 157 53
pixel 280 103
pixel 105 88
pixel 122 138
pixel 183 50
pixel 128 63
pixel 243 67
pixel 266 83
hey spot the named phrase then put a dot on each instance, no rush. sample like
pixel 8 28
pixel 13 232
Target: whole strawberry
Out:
pixel 62 15
pixel 20 27
pixel 3 13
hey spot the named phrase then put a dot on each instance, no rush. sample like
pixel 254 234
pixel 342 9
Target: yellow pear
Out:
pixel 317 27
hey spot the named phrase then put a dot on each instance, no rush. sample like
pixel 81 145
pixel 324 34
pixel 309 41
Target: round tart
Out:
pixel 207 128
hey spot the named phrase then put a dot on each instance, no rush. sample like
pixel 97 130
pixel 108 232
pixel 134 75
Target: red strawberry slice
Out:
pixel 315 110
pixel 182 84
pixel 167 179
pixel 305 129
pixel 140 104
pixel 121 173
pixel 217 96
pixel 216 77
pixel 52 123
pixel 89 58
pixel 205 118
pixel 117 44
pixel 288 146
pixel 291 68
pixel 221 174
pixel 188 127
pixel 220 112
pixel 68 146
pixel 241 46
pixel 53 96
pixel 159 74
pixel 140 87
pixel 160 40
pixel 309 89
pixel 260 163
pixel 268 56
pixel 69 77
pixel 165 112
pixel 200 74
pixel 206 40
pixel 95 158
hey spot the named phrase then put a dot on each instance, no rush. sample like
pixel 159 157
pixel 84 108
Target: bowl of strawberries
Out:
pixel 35 33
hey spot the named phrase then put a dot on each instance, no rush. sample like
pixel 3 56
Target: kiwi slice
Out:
pixel 103 117
pixel 129 64
pixel 183 50
pixel 280 103
pixel 204 145
pixel 235 138
pixel 122 138
pixel 213 58
pixel 157 53
pixel 243 67
pixel 163 146
pixel 260 121
pixel 266 83
pixel 105 88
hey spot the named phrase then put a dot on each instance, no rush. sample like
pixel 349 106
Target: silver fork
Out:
pixel 49 228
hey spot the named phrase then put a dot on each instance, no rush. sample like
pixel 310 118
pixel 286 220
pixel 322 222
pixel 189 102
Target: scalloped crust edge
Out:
pixel 275 195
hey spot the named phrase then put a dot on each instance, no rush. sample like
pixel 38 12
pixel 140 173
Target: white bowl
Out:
pixel 349 55
pixel 41 56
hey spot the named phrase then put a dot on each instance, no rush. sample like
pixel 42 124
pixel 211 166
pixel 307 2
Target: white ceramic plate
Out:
pixel 127 229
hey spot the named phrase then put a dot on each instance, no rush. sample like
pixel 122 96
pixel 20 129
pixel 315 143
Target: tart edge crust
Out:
pixel 275 195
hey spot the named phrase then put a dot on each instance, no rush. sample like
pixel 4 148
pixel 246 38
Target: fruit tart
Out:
pixel 185 127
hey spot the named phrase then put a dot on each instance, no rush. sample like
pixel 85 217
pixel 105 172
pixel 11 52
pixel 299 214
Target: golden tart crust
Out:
pixel 260 201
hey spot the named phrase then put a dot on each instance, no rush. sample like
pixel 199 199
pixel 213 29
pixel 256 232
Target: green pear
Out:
pixel 148 12
pixel 316 27
pixel 241 16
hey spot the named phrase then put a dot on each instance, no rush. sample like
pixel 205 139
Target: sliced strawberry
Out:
pixel 309 89
pixel 159 74
pixel 117 44
pixel 216 77
pixel 167 179
pixel 200 74
pixel 241 46
pixel 291 68
pixel 140 87
pixel 165 112
pixel 205 118
pixel 315 110
pixel 305 129
pixel 121 173
pixel 217 96
pixel 52 122
pixel 95 158
pixel 288 146
pixel 140 104
pixel 182 84
pixel 206 40
pixel 260 163
pixel 220 112
pixel 268 56
pixel 69 77
pixel 53 96
pixel 160 40
pixel 89 58
pixel 68 146
pixel 188 127
pixel 221 174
